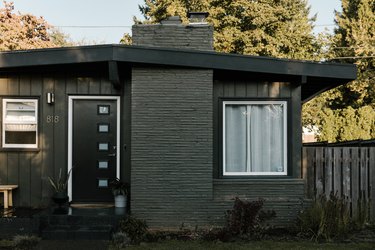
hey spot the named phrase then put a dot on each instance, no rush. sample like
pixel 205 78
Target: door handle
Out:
pixel 112 155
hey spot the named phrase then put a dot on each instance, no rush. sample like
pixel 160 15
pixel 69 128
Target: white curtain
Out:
pixel 254 138
pixel 235 138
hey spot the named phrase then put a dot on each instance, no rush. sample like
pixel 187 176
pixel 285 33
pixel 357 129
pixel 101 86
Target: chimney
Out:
pixel 171 33
pixel 196 18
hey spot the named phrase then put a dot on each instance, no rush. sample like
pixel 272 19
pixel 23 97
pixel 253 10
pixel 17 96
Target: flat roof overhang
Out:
pixel 316 77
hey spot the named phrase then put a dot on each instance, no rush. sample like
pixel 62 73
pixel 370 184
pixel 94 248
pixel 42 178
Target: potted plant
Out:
pixel 120 192
pixel 60 185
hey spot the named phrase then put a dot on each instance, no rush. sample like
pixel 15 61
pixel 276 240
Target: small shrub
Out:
pixel 25 242
pixel 246 218
pixel 120 240
pixel 136 229
pixel 363 217
pixel 326 218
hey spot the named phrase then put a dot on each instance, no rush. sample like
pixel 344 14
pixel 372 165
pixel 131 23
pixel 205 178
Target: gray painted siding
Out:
pixel 285 196
pixel 199 37
pixel 171 151
pixel 175 150
pixel 30 169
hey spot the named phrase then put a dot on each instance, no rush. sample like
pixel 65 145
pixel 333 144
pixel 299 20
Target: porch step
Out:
pixel 80 223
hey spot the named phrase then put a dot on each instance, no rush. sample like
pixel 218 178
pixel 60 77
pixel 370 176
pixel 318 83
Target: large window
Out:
pixel 254 138
pixel 20 123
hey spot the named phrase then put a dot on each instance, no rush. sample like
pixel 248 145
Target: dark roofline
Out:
pixel 163 56
pixel 329 74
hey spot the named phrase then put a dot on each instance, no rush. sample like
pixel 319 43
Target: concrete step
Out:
pixel 79 223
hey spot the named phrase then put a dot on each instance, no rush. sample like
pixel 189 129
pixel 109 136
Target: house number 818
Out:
pixel 53 118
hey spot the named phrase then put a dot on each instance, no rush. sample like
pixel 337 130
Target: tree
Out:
pixel 348 112
pixel 283 29
pixel 354 42
pixel 25 31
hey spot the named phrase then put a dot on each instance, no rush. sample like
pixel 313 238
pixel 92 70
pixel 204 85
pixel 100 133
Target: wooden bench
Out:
pixel 8 197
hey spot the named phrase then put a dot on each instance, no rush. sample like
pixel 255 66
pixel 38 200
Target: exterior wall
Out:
pixel 197 37
pixel 175 157
pixel 282 194
pixel 30 168
pixel 171 153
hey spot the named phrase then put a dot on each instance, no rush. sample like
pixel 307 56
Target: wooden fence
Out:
pixel 347 171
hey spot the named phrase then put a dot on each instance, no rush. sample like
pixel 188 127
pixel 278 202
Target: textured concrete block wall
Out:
pixel 171 154
pixel 199 37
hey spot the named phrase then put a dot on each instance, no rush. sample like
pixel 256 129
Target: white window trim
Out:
pixel 285 143
pixel 21 146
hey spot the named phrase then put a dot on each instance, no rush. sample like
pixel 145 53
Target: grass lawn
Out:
pixel 182 245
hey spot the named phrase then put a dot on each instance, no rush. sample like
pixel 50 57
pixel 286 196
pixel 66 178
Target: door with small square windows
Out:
pixel 94 149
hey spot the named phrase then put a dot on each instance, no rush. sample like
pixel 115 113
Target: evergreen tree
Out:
pixel 348 112
pixel 263 27
pixel 354 42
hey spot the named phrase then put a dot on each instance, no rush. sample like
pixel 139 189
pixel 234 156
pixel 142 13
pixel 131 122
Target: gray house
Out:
pixel 188 128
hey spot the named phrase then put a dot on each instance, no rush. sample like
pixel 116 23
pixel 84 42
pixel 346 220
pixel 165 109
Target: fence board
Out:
pixel 311 173
pixel 363 173
pixel 337 171
pixel 372 183
pixel 346 176
pixel 355 181
pixel 319 178
pixel 348 171
pixel 328 171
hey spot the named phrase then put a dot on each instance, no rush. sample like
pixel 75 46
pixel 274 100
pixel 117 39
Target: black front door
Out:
pixel 94 149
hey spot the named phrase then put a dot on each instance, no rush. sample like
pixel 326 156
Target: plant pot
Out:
pixel 60 198
pixel 120 200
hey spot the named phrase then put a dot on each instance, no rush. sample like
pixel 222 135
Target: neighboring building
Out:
pixel 309 134
pixel 188 128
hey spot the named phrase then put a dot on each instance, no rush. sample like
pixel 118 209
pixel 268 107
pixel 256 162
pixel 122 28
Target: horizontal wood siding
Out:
pixel 176 166
pixel 30 169
pixel 285 196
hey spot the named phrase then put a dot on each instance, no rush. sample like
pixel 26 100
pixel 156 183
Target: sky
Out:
pixel 98 21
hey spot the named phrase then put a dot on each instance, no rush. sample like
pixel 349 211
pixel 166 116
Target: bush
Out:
pixel 25 242
pixel 326 218
pixel 135 229
pixel 120 240
pixel 245 220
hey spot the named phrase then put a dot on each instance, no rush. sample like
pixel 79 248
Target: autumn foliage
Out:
pixel 22 31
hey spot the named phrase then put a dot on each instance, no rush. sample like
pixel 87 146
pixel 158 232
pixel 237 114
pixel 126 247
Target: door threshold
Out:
pixel 92 205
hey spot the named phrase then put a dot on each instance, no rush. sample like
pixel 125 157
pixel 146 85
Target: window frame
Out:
pixel 4 122
pixel 284 104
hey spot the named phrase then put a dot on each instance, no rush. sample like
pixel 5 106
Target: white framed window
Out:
pixel 254 138
pixel 20 123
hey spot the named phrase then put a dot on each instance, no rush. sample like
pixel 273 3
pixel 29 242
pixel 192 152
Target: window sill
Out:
pixel 256 180
pixel 19 149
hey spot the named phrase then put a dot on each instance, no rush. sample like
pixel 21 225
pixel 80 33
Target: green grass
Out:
pixel 185 245
pixel 6 244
